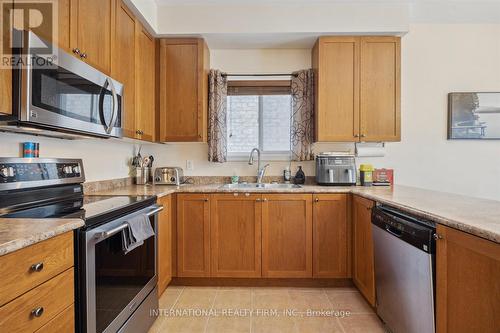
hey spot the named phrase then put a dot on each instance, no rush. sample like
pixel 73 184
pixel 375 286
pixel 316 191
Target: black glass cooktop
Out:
pixel 93 209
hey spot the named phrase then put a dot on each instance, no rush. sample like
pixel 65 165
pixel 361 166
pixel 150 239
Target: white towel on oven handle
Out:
pixel 138 230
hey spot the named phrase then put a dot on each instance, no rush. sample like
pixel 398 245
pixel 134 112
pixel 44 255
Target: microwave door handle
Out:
pixel 101 105
pixel 114 116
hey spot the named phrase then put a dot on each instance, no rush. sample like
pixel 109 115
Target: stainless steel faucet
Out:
pixel 260 171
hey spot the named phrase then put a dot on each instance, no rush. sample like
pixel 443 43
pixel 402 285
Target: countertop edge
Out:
pixel 461 225
pixel 446 221
pixel 23 242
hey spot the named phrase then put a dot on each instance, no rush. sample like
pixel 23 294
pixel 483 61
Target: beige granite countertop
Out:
pixel 17 233
pixel 480 217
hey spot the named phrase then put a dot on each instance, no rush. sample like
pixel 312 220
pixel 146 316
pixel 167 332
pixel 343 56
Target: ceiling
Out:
pixel 253 2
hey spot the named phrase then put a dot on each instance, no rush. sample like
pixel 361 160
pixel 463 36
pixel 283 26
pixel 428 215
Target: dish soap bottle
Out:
pixel 300 177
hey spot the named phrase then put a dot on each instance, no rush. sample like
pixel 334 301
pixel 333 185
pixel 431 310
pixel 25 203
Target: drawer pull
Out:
pixel 37 267
pixel 38 312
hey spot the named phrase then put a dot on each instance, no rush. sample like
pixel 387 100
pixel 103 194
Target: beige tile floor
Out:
pixel 252 310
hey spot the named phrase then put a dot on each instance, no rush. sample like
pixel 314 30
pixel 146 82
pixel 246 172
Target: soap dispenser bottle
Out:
pixel 300 177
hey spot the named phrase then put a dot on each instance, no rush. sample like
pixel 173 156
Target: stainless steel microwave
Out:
pixel 62 96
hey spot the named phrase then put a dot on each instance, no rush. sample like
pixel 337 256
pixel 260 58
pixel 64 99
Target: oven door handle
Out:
pixel 109 233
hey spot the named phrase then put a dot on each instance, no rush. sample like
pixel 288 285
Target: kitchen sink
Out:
pixel 264 186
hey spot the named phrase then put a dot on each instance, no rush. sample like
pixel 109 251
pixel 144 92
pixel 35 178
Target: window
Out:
pixel 259 116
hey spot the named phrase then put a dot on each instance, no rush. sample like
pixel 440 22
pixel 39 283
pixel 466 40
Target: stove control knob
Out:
pixel 76 169
pixel 67 170
pixel 7 172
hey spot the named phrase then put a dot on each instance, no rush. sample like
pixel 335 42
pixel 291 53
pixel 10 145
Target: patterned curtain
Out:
pixel 302 127
pixel 217 117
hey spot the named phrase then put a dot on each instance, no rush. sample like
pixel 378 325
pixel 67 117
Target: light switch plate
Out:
pixel 189 165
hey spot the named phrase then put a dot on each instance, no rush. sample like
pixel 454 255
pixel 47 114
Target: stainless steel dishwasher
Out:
pixel 404 250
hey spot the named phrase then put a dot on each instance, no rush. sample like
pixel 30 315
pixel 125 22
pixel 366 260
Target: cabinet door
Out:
pixel 193 235
pixel 5 74
pixel 123 64
pixel 63 23
pixel 363 271
pixel 336 64
pixel 145 84
pixel 287 235
pixel 92 32
pixel 330 236
pixel 164 246
pixel 468 283
pixel 183 90
pixel 380 88
pixel 235 227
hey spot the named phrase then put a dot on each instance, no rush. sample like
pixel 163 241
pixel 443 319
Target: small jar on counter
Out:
pixel 366 174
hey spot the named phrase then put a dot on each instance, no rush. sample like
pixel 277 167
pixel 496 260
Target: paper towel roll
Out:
pixel 370 150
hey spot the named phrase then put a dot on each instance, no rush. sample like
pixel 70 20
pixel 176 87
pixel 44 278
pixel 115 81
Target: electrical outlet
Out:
pixel 189 165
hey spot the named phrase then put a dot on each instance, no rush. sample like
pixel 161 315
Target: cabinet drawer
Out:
pixel 17 269
pixel 63 322
pixel 53 297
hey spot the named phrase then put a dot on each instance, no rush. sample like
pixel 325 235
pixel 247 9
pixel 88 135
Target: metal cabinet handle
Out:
pixel 206 200
pixel 235 194
pixel 316 200
pixel 37 312
pixel 363 135
pixel 76 50
pixel 356 135
pixel 258 200
pixel 37 267
pixel 247 194
pixel 265 200
pixel 83 55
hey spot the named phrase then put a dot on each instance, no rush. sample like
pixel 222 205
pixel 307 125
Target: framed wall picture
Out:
pixel 474 115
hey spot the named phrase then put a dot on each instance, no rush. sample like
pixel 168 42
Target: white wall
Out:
pixel 436 59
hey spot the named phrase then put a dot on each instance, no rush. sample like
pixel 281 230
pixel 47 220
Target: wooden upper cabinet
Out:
pixel 122 67
pixel 363 274
pixel 380 78
pixel 357 88
pixel 164 246
pixel 145 106
pixel 235 227
pixel 336 64
pixel 184 66
pixel 193 235
pixel 91 31
pixel 467 282
pixel 62 24
pixel 287 235
pixel 330 236
pixel 5 76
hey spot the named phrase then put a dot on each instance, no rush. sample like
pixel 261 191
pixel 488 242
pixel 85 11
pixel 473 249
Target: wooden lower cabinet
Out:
pixel 51 298
pixel 331 235
pixel 63 322
pixel 193 235
pixel 287 235
pixel 235 228
pixel 363 273
pixel 164 246
pixel 468 283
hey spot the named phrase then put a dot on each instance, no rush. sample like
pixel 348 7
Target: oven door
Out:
pixel 117 283
pixel 66 93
